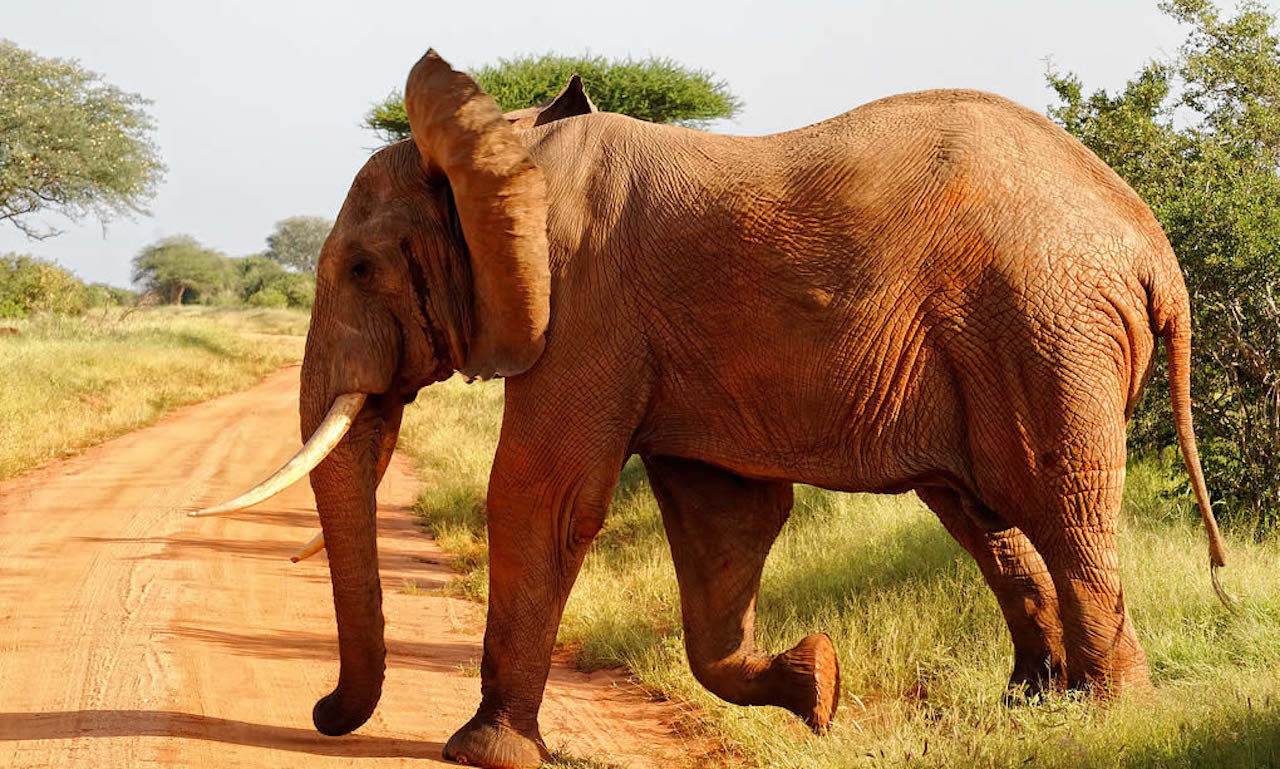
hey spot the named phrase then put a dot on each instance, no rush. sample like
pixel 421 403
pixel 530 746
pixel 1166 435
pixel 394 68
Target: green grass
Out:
pixel 923 649
pixel 70 382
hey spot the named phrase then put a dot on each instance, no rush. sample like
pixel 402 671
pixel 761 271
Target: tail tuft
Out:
pixel 1224 597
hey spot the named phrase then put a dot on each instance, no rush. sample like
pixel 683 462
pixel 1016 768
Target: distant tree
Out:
pixel 70 143
pixel 296 242
pixel 180 270
pixel 1198 137
pixel 653 89
pixel 29 285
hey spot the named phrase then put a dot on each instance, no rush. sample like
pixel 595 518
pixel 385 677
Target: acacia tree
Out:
pixel 179 269
pixel 70 143
pixel 296 241
pixel 653 89
pixel 1198 137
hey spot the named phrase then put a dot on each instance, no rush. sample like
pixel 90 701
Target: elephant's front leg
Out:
pixel 1022 585
pixel 721 527
pixel 542 516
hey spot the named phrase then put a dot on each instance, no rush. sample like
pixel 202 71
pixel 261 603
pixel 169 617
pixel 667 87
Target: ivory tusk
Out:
pixel 311 548
pixel 322 441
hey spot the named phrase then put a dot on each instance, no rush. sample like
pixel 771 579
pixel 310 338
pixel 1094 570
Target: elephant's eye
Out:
pixel 361 270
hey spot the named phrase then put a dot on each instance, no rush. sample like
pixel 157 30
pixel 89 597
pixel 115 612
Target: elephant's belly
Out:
pixel 832 438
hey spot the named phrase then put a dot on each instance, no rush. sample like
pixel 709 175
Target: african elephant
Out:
pixel 938 291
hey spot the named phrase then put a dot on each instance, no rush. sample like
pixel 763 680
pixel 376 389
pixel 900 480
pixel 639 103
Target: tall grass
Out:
pixel 69 382
pixel 924 653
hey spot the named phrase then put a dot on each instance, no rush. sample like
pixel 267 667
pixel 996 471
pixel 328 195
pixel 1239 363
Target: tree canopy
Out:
pixel 70 144
pixel 654 89
pixel 296 242
pixel 1197 135
pixel 179 269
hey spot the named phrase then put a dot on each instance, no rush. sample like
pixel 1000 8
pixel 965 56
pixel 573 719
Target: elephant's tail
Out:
pixel 1172 320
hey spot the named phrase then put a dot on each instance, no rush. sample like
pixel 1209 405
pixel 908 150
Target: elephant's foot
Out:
pixel 1109 682
pixel 1033 676
pixel 807 681
pixel 495 746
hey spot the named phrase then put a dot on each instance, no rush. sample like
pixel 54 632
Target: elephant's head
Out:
pixel 437 262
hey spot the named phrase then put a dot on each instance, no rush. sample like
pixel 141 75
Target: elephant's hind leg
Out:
pixel 1022 586
pixel 1077 539
pixel 721 527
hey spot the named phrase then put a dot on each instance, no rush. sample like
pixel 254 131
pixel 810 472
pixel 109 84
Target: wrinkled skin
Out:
pixel 940 292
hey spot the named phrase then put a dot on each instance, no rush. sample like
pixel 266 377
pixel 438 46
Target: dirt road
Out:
pixel 134 636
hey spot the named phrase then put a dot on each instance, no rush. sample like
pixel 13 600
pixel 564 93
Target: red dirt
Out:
pixel 132 635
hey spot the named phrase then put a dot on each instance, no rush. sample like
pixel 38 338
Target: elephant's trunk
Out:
pixel 345 485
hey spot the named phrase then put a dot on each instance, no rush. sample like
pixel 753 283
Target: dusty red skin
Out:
pixel 939 291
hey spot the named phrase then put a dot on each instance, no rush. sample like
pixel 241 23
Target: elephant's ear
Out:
pixel 572 100
pixel 502 205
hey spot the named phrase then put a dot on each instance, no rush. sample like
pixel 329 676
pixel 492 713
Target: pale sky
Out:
pixel 259 102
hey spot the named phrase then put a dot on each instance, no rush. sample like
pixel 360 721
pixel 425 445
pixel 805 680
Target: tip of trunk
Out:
pixel 338 714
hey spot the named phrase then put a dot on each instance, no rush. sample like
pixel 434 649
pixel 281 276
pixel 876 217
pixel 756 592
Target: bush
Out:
pixel 29 285
pixel 262 282
pixel 104 295
pixel 269 297
pixel 300 289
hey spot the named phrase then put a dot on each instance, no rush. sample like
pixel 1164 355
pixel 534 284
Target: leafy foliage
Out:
pixel 70 143
pixel 29 285
pixel 106 295
pixel 1198 137
pixel 296 241
pixel 262 282
pixel 653 89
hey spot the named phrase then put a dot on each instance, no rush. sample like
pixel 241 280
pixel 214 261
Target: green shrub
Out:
pixel 269 297
pixel 299 288
pixel 29 285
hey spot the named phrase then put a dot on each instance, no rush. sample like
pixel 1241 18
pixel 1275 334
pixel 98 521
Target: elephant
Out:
pixel 940 292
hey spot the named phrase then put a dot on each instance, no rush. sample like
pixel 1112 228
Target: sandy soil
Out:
pixel 134 636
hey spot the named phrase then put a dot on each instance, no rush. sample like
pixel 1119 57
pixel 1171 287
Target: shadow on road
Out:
pixel 165 723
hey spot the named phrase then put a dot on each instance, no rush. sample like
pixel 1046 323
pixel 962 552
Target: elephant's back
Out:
pixel 956 150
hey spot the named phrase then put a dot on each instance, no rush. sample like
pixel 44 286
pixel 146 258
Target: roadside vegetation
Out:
pixel 68 382
pixel 924 652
